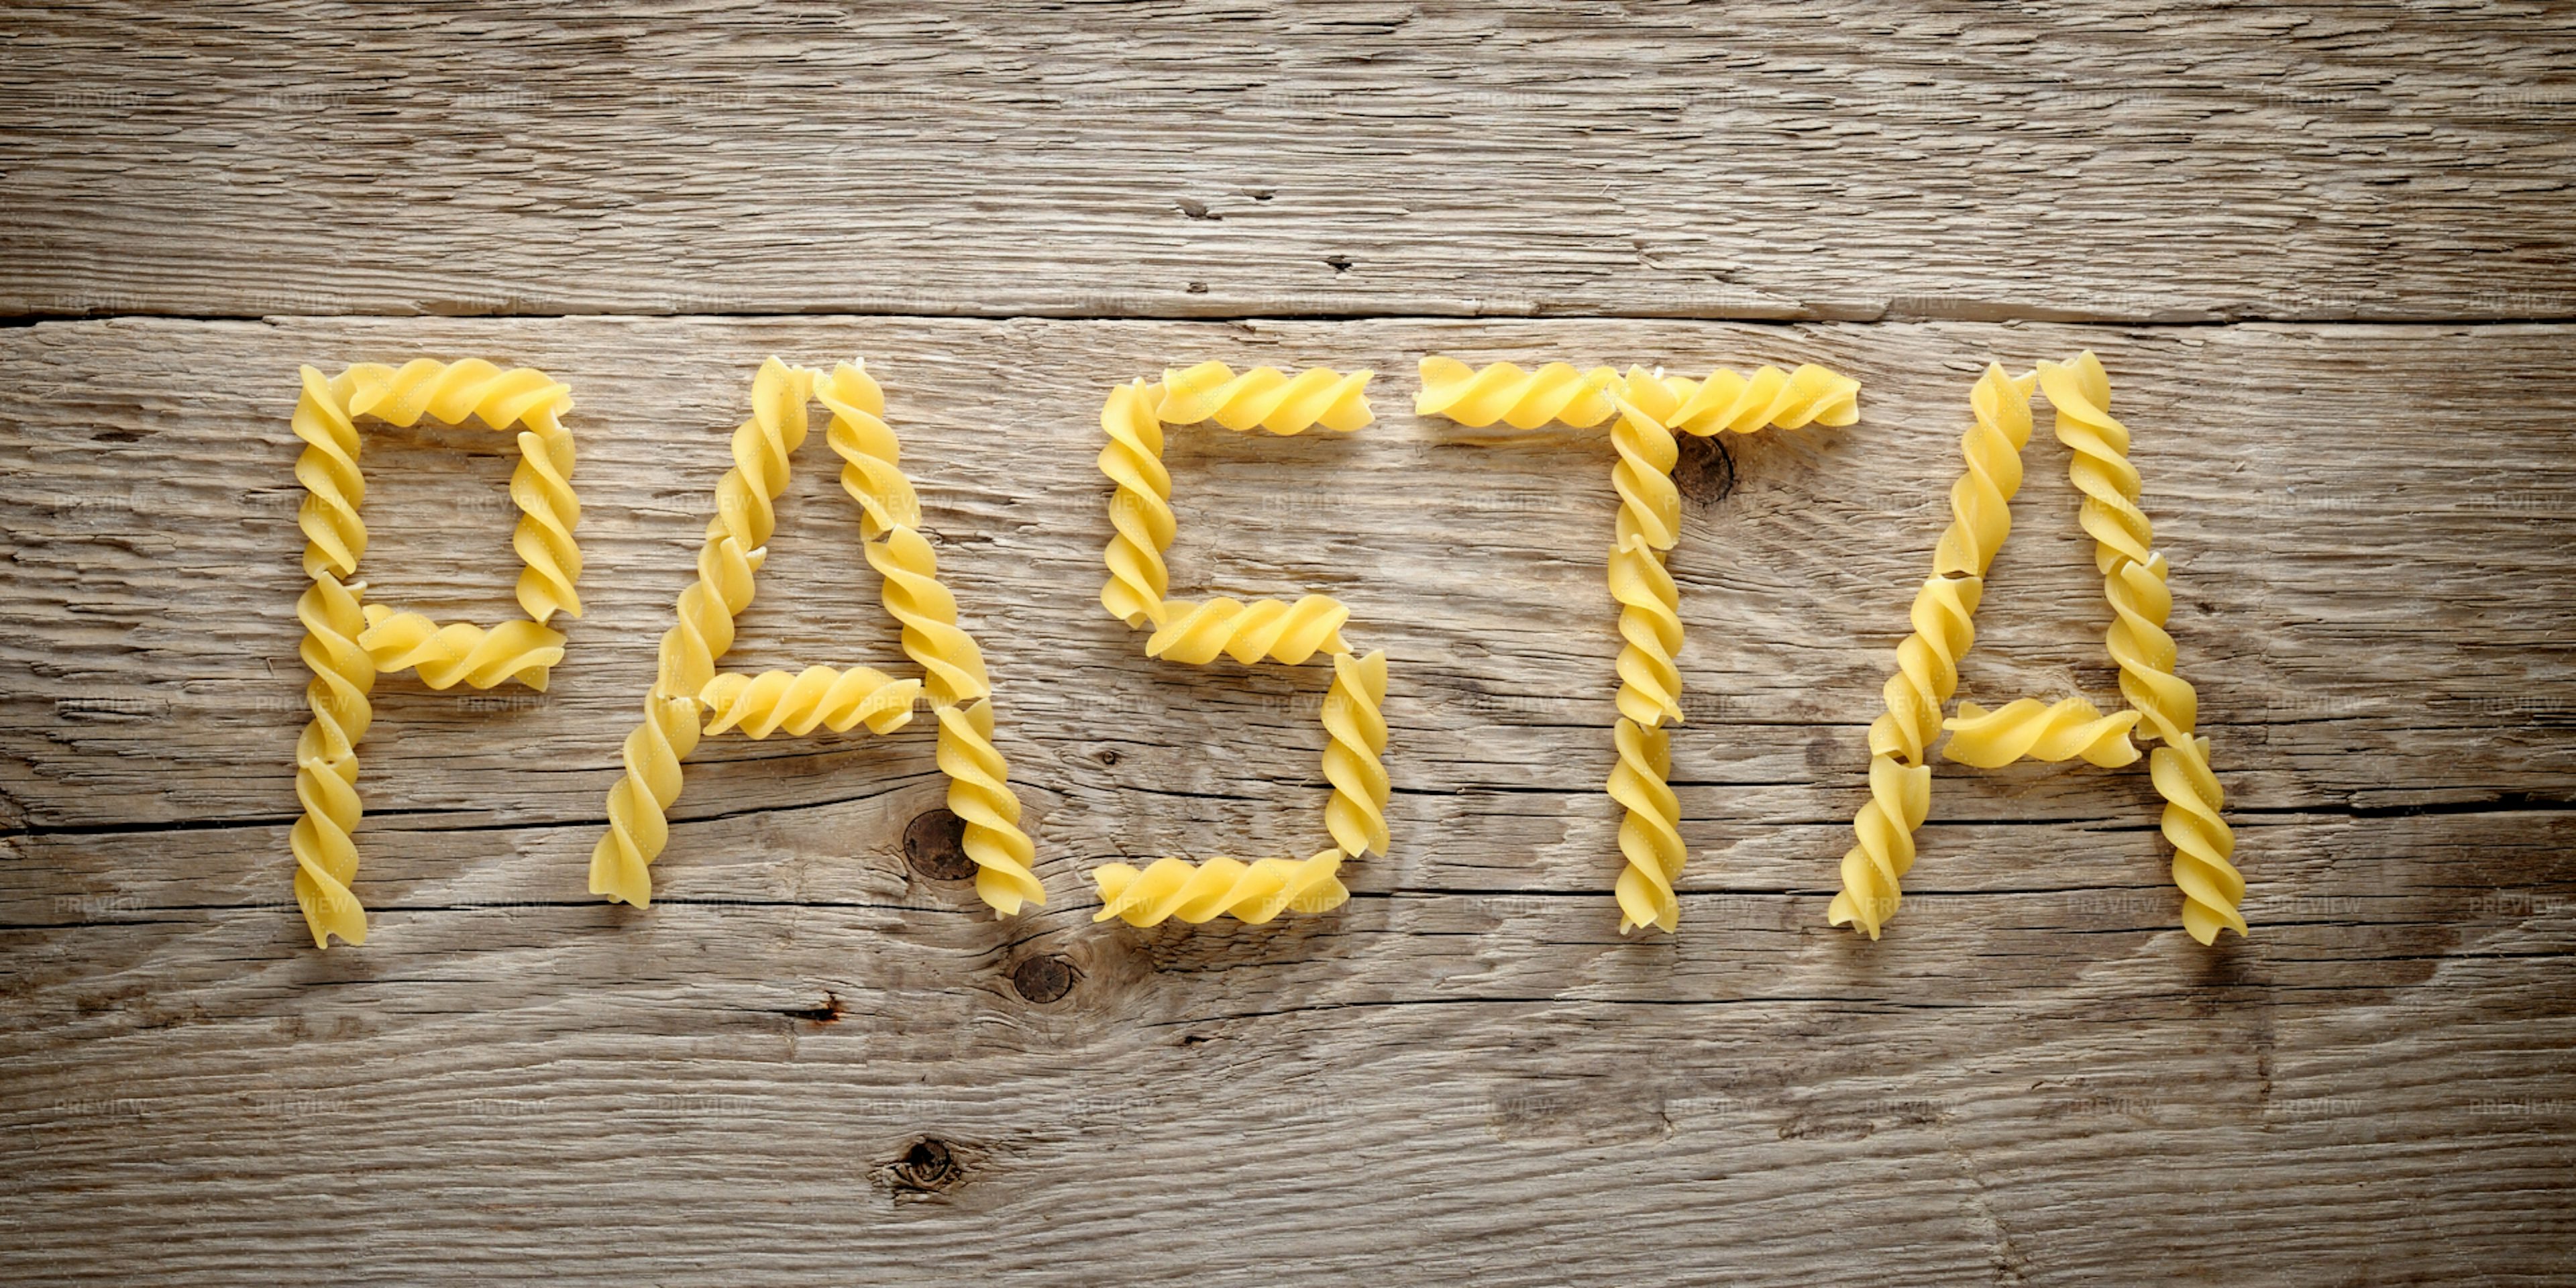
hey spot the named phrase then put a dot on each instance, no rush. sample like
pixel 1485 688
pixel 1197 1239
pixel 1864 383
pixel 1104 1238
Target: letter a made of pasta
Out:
pixel 690 697
pixel 1289 632
pixel 349 642
pixel 2162 707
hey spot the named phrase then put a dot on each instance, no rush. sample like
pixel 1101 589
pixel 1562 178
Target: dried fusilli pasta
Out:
pixel 1279 630
pixel 816 697
pixel 443 656
pixel 2134 581
pixel 1477 397
pixel 1200 631
pixel 1266 398
pixel 688 690
pixel 1141 509
pixel 1251 893
pixel 349 642
pixel 2028 727
pixel 979 793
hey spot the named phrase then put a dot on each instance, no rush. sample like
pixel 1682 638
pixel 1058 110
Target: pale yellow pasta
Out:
pixel 1477 397
pixel 800 703
pixel 349 642
pixel 1650 836
pixel 1141 509
pixel 1276 630
pixel 2134 580
pixel 2036 730
pixel 1265 398
pixel 459 652
pixel 689 698
pixel 1253 893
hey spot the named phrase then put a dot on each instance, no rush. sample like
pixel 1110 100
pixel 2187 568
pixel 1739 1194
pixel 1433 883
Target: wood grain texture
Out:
pixel 2140 160
pixel 808 1063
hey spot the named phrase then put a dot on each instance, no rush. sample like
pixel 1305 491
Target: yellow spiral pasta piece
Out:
pixel 326 760
pixel 347 638
pixel 947 655
pixel 1354 752
pixel 2081 393
pixel 979 793
pixel 1900 797
pixel 1249 632
pixel 1266 398
pixel 816 697
pixel 2134 580
pixel 1927 661
pixel 1477 397
pixel 1769 398
pixel 443 656
pixel 1650 836
pixel 871 468
pixel 1252 893
pixel 1649 522
pixel 2028 727
pixel 1141 509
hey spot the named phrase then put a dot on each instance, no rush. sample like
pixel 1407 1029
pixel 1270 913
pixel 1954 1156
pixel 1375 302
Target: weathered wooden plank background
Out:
pixel 2325 252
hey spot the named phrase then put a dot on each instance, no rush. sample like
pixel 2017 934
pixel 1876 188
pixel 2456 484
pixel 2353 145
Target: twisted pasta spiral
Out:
pixel 639 803
pixel 1141 509
pixel 1650 681
pixel 1252 893
pixel 443 655
pixel 1649 523
pixel 326 760
pixel 1477 397
pixel 1650 836
pixel 1356 734
pixel 1981 501
pixel 1900 795
pixel 2134 582
pixel 2081 393
pixel 871 469
pixel 2041 731
pixel 1281 631
pixel 349 642
pixel 817 696
pixel 931 636
pixel 1727 402
pixel 1267 398
pixel 979 792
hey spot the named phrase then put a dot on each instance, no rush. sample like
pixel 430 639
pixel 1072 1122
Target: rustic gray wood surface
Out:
pixel 814 1061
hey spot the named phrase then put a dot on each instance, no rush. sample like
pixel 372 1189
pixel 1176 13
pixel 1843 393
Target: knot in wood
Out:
pixel 927 1166
pixel 935 845
pixel 1043 979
